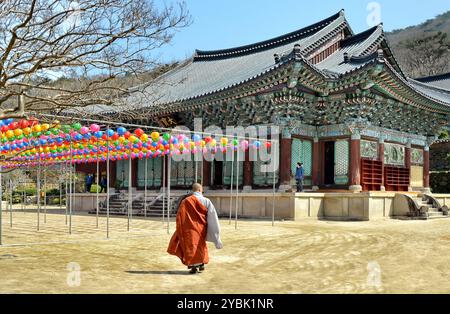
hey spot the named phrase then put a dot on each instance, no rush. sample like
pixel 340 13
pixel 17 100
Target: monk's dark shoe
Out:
pixel 193 270
pixel 201 267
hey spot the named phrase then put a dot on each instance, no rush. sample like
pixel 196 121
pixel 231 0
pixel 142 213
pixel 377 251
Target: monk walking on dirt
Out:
pixel 197 222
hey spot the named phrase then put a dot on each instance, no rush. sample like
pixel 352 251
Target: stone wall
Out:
pixel 440 182
pixel 439 156
pixel 332 206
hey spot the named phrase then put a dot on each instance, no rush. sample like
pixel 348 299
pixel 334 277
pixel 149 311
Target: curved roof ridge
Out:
pixel 432 78
pixel 433 87
pixel 269 43
pixel 359 37
pixel 379 39
pixel 410 85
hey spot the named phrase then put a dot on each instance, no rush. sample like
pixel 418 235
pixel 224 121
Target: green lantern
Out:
pixel 76 126
pixel 65 128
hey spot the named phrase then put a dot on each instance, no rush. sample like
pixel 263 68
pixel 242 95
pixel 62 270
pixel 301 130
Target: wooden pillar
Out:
pixel 285 161
pixel 315 164
pixel 381 159
pixel 112 174
pixel 355 163
pixel 206 173
pixel 426 168
pixel 408 162
pixel 134 172
pixel 248 173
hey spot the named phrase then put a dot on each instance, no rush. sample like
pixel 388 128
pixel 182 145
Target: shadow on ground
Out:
pixel 157 272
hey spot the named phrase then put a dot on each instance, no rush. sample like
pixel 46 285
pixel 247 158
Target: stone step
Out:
pixel 435 212
pixel 437 217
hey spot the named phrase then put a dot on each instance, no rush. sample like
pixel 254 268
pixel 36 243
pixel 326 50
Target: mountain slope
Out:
pixel 424 41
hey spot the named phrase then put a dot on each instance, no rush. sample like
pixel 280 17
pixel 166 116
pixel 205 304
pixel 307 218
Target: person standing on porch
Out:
pixel 103 183
pixel 299 175
pixel 89 181
pixel 196 223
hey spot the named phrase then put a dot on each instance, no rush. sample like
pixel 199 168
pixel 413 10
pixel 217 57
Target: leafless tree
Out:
pixel 426 55
pixel 88 45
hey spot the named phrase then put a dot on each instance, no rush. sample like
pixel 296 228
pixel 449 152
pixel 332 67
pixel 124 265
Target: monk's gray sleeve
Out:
pixel 213 233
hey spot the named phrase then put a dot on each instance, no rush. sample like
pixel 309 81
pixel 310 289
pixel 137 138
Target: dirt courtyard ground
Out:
pixel 309 256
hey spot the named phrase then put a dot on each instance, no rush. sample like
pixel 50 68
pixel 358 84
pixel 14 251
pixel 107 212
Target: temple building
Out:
pixel 346 109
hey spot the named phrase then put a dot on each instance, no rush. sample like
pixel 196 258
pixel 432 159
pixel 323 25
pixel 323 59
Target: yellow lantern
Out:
pixel 9 133
pixel 18 132
pixel 144 137
pixel 27 131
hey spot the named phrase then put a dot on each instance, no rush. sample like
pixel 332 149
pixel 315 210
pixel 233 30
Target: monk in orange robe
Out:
pixel 197 222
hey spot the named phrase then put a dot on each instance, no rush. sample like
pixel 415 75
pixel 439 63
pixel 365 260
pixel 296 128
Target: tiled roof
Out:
pixel 211 73
pixel 267 44
pixel 354 47
pixel 431 91
pixel 440 81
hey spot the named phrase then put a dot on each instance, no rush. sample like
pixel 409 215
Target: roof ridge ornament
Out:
pixel 346 57
pixel 297 51
pixel 276 57
pixel 380 55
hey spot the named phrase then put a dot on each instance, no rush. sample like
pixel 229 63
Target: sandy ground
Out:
pixel 310 256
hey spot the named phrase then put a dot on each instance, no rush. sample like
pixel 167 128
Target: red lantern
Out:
pixel 33 121
pixel 138 132
pixel 14 125
pixel 127 134
pixel 24 124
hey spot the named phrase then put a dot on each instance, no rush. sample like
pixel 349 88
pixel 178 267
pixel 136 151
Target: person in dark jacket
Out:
pixel 89 181
pixel 103 184
pixel 299 175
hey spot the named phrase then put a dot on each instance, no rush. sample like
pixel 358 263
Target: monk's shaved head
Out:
pixel 197 187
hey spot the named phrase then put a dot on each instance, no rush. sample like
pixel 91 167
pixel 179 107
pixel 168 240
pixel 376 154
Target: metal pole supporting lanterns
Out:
pixel 145 188
pixel 23 197
pixel 96 190
pixel 38 190
pixel 164 188
pixel 72 189
pixel 168 194
pixel 275 148
pixel 237 187
pixel 231 186
pixel 107 182
pixel 66 190
pixel 1 203
pixel 10 203
pixel 130 196
pixel 60 181
pixel 45 196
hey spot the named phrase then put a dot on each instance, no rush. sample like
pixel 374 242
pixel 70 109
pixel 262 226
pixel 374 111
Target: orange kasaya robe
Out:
pixel 189 240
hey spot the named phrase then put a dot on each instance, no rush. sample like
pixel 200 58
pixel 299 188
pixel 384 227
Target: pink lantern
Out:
pixel 84 130
pixel 94 127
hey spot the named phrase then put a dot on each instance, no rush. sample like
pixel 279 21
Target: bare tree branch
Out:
pixel 92 46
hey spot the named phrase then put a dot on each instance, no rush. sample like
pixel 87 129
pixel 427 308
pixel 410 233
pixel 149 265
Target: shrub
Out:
pixel 53 192
pixel 94 188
